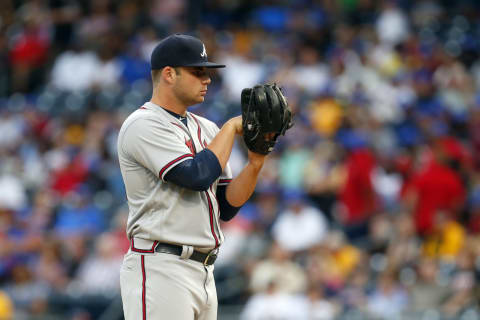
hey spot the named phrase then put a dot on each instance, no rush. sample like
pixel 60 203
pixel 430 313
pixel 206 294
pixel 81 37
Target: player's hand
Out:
pixel 236 123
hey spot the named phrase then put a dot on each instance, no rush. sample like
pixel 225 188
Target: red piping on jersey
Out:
pixel 194 151
pixel 176 124
pixel 173 162
pixel 199 132
pixel 224 180
pixel 144 280
pixel 218 205
pixel 152 250
pixel 210 212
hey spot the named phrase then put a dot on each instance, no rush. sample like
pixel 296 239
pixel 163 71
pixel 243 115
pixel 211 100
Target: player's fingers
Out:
pixel 270 136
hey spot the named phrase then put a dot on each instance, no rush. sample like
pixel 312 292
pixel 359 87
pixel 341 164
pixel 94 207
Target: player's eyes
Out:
pixel 199 73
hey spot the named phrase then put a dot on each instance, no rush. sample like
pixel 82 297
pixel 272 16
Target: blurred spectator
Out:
pixel 236 235
pixel 446 239
pixel 135 63
pixel 427 293
pixel 243 72
pixel 108 69
pixel 164 13
pixel 392 24
pixel 75 69
pixel 50 268
pixel 326 116
pixel 357 195
pixel 96 25
pixel 26 292
pixel 300 226
pixel 434 186
pixel 462 298
pixel 380 231
pixel 388 299
pixel 279 269
pixel 387 182
pixel 309 73
pixel 320 308
pixel 324 174
pixel 12 126
pixel 64 14
pixel 331 264
pixel 29 51
pixel 292 164
pixel 272 304
pixel 100 272
pixel 12 193
pixel 78 216
pixel 355 293
pixel 268 206
pixel 404 245
pixel 6 307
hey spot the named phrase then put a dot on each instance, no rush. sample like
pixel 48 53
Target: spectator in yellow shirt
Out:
pixel 6 307
pixel 446 240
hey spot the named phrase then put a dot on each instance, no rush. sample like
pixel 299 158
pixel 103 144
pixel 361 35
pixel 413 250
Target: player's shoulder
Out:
pixel 145 118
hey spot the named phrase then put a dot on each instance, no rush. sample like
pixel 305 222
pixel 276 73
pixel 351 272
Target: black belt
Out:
pixel 204 258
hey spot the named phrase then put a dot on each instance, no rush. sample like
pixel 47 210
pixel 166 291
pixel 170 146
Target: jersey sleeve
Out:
pixel 155 146
pixel 226 176
pixel 212 130
pixel 196 174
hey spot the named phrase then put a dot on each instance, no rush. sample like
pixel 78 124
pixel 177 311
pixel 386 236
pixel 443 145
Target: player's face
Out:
pixel 191 84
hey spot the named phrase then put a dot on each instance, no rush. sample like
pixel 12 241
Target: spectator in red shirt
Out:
pixel 358 196
pixel 434 186
pixel 29 53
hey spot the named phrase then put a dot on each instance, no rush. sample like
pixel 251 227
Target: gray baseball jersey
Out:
pixel 150 143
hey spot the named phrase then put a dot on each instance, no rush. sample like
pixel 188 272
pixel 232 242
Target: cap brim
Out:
pixel 207 64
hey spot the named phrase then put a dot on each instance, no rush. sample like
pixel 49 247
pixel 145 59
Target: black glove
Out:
pixel 265 116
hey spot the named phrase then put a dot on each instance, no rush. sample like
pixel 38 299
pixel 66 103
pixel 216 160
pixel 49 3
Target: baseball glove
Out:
pixel 265 116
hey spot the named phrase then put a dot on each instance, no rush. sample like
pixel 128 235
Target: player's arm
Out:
pixel 200 172
pixel 196 174
pixel 222 144
pixel 239 189
pixel 242 186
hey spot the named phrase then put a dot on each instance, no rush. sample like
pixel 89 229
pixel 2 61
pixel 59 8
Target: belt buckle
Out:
pixel 211 255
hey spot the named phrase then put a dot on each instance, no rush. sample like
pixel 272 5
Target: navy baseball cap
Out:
pixel 181 50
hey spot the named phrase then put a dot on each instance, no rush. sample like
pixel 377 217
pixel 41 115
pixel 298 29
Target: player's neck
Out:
pixel 169 103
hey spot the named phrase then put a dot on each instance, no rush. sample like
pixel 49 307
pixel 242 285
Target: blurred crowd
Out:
pixel 369 207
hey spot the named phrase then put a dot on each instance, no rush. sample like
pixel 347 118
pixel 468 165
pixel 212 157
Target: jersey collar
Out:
pixel 176 115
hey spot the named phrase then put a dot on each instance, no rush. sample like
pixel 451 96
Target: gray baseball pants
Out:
pixel 165 286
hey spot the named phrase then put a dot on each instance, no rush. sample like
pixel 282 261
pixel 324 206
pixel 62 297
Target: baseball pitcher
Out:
pixel 179 184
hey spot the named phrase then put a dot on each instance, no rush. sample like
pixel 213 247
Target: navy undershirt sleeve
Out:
pixel 196 174
pixel 227 211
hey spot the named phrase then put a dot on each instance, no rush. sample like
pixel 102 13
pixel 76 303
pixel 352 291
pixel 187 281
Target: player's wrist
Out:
pixel 235 124
pixel 256 160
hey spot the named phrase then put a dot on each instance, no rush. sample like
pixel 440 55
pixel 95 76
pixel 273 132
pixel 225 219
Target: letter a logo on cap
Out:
pixel 204 52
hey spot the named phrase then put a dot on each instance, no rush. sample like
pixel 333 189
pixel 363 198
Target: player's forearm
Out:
pixel 222 144
pixel 241 188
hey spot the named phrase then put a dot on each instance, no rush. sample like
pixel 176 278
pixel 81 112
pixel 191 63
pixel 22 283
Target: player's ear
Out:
pixel 169 74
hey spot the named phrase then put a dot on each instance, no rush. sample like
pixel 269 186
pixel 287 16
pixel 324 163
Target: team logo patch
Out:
pixel 189 144
pixel 204 52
